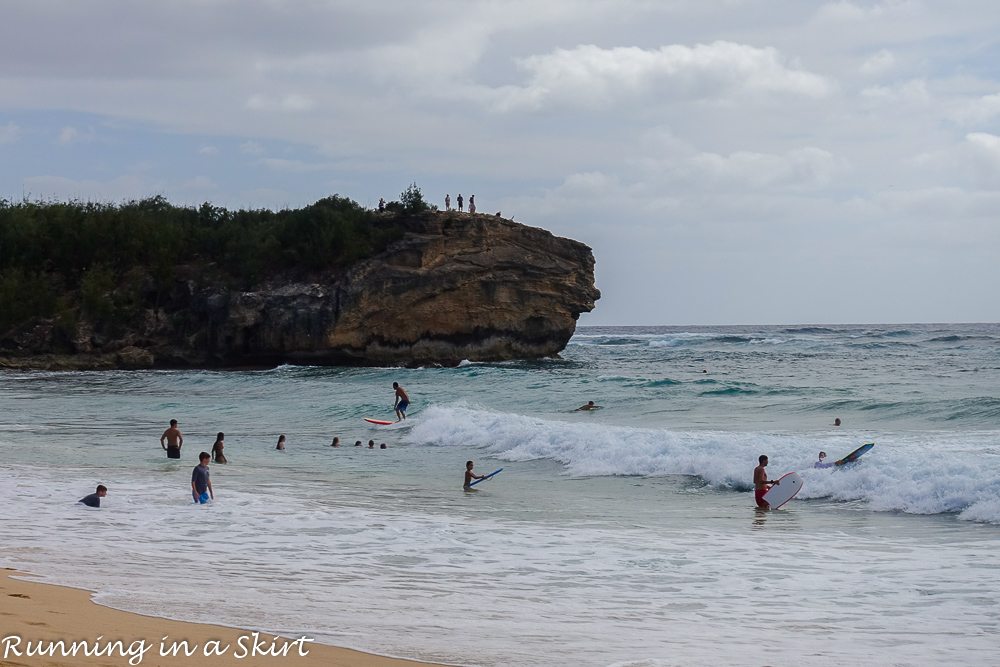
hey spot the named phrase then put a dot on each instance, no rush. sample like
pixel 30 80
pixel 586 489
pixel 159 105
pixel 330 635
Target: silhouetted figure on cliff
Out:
pixel 459 200
pixel 472 203
pixel 447 202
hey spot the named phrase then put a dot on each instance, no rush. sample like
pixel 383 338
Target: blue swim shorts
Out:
pixel 403 405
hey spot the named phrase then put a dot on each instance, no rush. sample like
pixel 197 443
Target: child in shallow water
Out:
pixel 281 442
pixel 469 475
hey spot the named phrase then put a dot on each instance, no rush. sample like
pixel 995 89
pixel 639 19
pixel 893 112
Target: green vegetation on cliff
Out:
pixel 105 262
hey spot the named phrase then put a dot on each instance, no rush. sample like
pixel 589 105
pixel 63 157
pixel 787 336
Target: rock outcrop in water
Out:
pixel 455 286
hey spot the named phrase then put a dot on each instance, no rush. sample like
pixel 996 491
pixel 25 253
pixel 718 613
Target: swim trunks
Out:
pixel 173 452
pixel 403 405
pixel 202 499
pixel 758 495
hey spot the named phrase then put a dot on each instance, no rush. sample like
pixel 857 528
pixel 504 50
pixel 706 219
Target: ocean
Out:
pixel 622 536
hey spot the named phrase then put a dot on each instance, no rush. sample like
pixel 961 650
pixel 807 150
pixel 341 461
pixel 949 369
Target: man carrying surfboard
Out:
pixel 401 403
pixel 761 484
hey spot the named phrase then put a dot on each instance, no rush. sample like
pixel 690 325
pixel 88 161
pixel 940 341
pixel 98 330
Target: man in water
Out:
pixel 469 475
pixel 589 406
pixel 761 484
pixel 822 462
pixel 201 485
pixel 836 422
pixel 175 440
pixel 402 401
pixel 94 499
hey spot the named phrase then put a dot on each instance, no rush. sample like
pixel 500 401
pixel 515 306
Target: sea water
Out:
pixel 622 536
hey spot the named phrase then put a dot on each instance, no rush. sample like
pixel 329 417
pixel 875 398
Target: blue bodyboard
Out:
pixel 856 454
pixel 486 477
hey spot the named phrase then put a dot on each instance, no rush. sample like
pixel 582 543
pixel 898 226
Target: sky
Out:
pixel 730 162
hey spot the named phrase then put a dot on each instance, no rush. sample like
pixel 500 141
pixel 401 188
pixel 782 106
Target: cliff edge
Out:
pixel 455 286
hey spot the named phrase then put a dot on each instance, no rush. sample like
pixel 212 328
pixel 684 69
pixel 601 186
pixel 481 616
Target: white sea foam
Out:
pixel 905 472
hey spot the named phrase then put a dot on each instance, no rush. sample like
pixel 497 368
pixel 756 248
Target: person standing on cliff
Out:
pixel 459 200
pixel 472 203
pixel 402 400
pixel 175 440
pixel 447 202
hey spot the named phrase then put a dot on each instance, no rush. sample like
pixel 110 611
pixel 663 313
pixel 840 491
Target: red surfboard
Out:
pixel 379 422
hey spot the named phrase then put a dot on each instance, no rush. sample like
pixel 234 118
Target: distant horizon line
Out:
pixel 789 324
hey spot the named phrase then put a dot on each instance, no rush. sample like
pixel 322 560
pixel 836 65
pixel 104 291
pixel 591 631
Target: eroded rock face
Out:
pixel 457 286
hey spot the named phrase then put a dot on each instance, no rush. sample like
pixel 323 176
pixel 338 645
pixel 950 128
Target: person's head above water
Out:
pixel 822 455
pixel 836 422
pixel 762 459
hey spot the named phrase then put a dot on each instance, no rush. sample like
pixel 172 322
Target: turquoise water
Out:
pixel 625 535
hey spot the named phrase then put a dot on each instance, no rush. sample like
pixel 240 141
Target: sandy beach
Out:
pixel 35 612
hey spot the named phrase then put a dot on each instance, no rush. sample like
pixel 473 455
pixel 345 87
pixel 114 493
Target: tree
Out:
pixel 413 200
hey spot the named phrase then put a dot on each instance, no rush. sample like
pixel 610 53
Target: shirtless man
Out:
pixel 401 403
pixel 589 406
pixel 761 483
pixel 175 440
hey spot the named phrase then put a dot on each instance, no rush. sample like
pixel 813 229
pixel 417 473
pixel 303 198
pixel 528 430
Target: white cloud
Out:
pixel 598 77
pixel 290 102
pixel 71 135
pixel 209 151
pixel 198 183
pixel 293 166
pixel 910 92
pixel 853 12
pixel 251 148
pixel 977 110
pixel 804 167
pixel 879 63
pixel 9 133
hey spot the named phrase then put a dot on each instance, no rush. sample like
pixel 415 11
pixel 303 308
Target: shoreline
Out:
pixel 33 612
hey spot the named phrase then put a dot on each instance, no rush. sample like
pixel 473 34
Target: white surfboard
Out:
pixel 784 490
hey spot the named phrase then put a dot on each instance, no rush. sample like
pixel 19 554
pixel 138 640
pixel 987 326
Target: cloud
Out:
pixel 878 64
pixel 909 92
pixel 9 133
pixel 70 135
pixel 852 12
pixel 209 151
pixel 597 76
pixel 290 102
pixel 251 148
pixel 977 110
pixel 803 167
pixel 985 159
pixel 293 166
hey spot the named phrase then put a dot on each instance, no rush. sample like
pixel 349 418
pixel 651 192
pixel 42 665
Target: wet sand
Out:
pixel 34 612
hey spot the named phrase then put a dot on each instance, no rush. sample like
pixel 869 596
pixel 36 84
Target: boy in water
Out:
pixel 821 463
pixel 201 485
pixel 469 475
pixel 761 484
pixel 94 499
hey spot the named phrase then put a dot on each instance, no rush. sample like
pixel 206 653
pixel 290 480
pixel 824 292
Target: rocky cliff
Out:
pixel 455 286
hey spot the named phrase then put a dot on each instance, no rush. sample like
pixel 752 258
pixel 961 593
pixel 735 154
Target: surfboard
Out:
pixel 379 422
pixel 486 477
pixel 856 454
pixel 786 488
